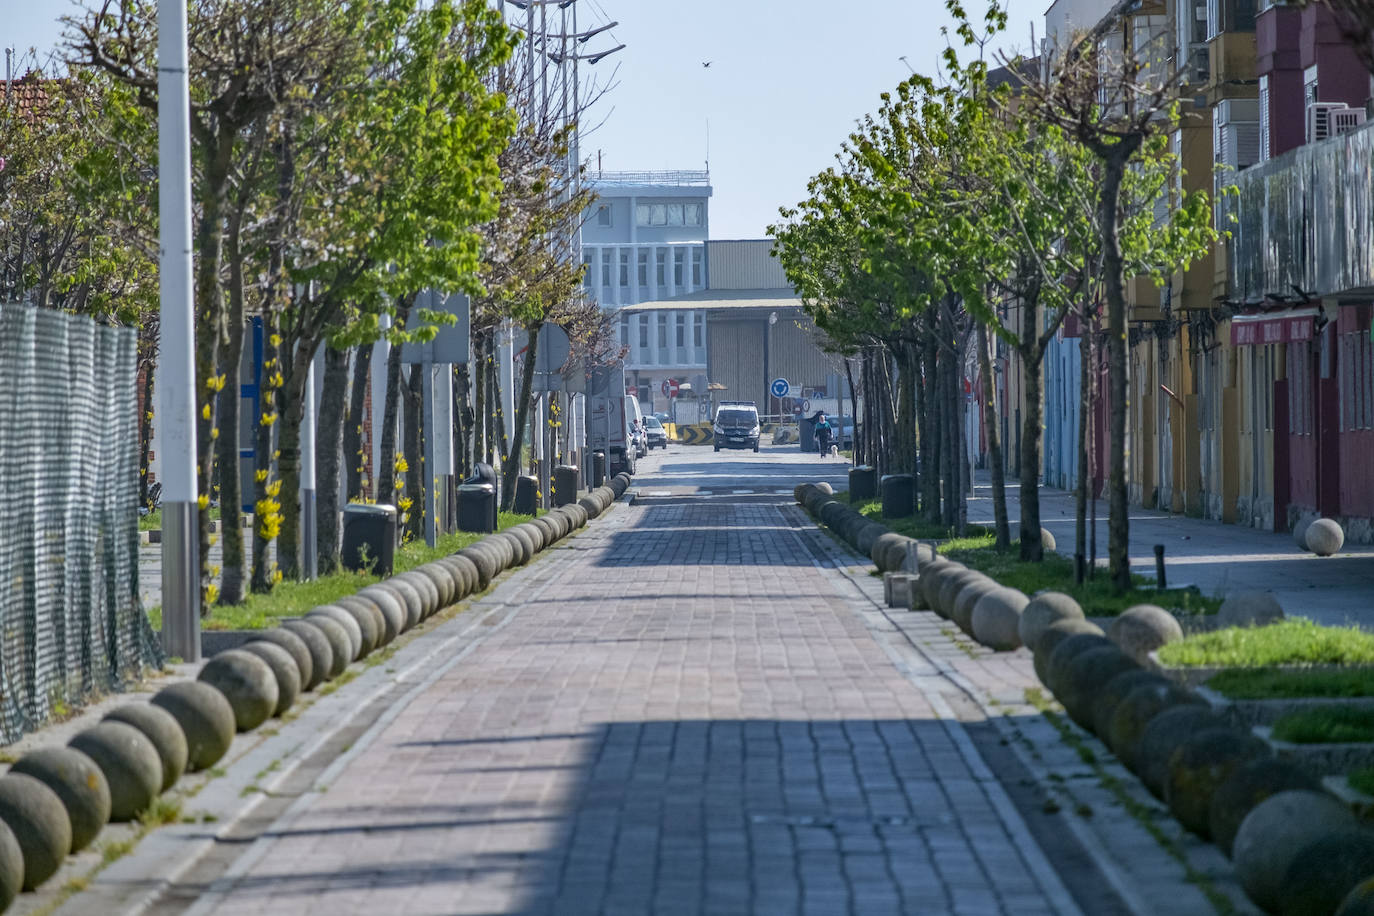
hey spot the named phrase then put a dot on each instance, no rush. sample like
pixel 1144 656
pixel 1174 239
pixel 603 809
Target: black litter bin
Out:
pixel 476 507
pixel 899 495
pixel 369 538
pixel 526 495
pixel 564 485
pixel 598 469
pixel 863 483
pixel 482 475
pixel 806 428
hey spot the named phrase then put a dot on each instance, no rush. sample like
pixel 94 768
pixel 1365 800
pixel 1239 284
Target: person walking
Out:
pixel 823 434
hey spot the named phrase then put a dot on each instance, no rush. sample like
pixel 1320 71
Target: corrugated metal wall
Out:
pixel 1304 221
pixel 743 265
pixel 734 351
pixel 796 357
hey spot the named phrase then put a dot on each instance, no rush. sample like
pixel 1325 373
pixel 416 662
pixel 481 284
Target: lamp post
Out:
pixel 177 386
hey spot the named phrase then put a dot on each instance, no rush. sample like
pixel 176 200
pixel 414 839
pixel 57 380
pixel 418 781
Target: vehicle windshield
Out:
pixel 736 418
pixel 652 423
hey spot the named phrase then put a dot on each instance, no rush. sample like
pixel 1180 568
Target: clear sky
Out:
pixel 787 81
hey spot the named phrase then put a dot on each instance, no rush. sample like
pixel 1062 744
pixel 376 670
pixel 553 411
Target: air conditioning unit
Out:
pixel 1331 119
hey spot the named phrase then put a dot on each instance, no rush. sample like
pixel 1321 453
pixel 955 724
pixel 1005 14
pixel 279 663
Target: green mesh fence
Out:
pixel 69 607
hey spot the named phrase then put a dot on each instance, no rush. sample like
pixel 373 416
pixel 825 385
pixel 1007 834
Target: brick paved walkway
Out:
pixel 682 716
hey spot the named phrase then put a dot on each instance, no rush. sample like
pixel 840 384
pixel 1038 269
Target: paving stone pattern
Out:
pixel 689 721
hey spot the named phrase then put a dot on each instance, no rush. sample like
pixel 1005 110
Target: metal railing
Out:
pixel 677 178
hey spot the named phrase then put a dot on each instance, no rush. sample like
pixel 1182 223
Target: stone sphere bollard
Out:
pixel 825 488
pixel 1043 647
pixel 205 717
pixel 345 620
pixel 1136 711
pixel 1165 733
pixel 1198 767
pixel 1249 609
pixel 1082 680
pixel 321 652
pixel 961 611
pixel 1047 541
pixel 1275 832
pixel 130 764
pixel 337 638
pixel 443 577
pixel 878 549
pixel 393 616
pixel 1112 694
pixel 410 600
pixel 1251 783
pixel 78 782
pixel 11 867
pixel 296 648
pixel 1142 629
pixel 247 682
pixel 1068 649
pixel 486 563
pixel 950 587
pixel 160 727
pixel 1360 900
pixel 464 573
pixel 368 617
pixel 996 618
pixel 40 827
pixel 1322 874
pixel 1324 537
pixel 430 596
pixel 1043 610
pixel 284 670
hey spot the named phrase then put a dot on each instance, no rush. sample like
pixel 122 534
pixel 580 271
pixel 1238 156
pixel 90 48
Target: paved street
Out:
pixel 683 716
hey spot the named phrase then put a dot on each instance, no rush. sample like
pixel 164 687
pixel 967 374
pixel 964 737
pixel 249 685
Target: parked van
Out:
pixel 736 426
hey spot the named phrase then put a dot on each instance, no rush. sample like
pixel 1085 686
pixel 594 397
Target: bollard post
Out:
pixel 1160 582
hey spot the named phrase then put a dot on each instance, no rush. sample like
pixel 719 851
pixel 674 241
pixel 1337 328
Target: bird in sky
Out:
pixel 706 63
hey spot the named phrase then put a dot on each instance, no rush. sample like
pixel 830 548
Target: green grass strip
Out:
pixel 292 599
pixel 1326 725
pixel 1269 684
pixel 1290 642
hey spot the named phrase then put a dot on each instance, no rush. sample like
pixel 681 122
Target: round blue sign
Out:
pixel 780 387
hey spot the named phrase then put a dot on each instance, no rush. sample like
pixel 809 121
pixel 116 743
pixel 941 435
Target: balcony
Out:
pixel 1303 222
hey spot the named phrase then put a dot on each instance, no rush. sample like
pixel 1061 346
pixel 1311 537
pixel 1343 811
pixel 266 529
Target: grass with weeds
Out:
pixel 1290 642
pixel 1326 725
pixel 1362 780
pixel 292 599
pixel 975 549
pixel 1271 684
pixel 116 849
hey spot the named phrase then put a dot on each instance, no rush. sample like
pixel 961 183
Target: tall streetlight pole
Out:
pixel 176 362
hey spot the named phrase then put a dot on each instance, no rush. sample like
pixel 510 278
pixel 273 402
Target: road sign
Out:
pixel 669 387
pixel 780 388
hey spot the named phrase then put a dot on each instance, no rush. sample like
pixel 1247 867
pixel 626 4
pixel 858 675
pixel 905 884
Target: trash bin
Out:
pixel 899 495
pixel 564 485
pixel 598 469
pixel 476 507
pixel 369 538
pixel 863 483
pixel 526 496
pixel 806 428
pixel 482 475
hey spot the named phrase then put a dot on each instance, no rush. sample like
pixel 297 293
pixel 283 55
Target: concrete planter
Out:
pixel 1320 759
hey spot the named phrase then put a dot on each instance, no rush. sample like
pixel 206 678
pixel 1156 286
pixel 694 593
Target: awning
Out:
pixel 1273 327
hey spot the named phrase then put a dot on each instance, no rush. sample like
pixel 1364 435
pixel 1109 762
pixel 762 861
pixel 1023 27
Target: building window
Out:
pixel 588 271
pixel 643 268
pixel 643 334
pixel 669 214
pixel 679 267
pixel 697 255
pixel 624 269
pixel 603 215
pixel 605 270
pixel 1309 86
pixel 1264 119
pixel 624 330
pixel 682 329
pixel 660 256
pixel 662 336
pixel 698 329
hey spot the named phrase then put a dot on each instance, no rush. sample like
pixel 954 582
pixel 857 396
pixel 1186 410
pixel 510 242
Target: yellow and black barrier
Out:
pixel 695 434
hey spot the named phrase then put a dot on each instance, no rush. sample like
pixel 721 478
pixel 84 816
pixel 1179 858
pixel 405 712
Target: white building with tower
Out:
pixel 644 240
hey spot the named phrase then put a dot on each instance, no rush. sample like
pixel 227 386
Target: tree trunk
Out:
pixel 932 431
pixel 479 400
pixel 329 435
pixel 463 415
pixel 860 452
pixel 1032 357
pixel 145 434
pixel 416 474
pixel 386 474
pixel 950 459
pixel 1084 418
pixel 999 485
pixel 266 508
pixel 354 459
pixel 294 393
pixel 510 468
pixel 1118 523
pixel 233 567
